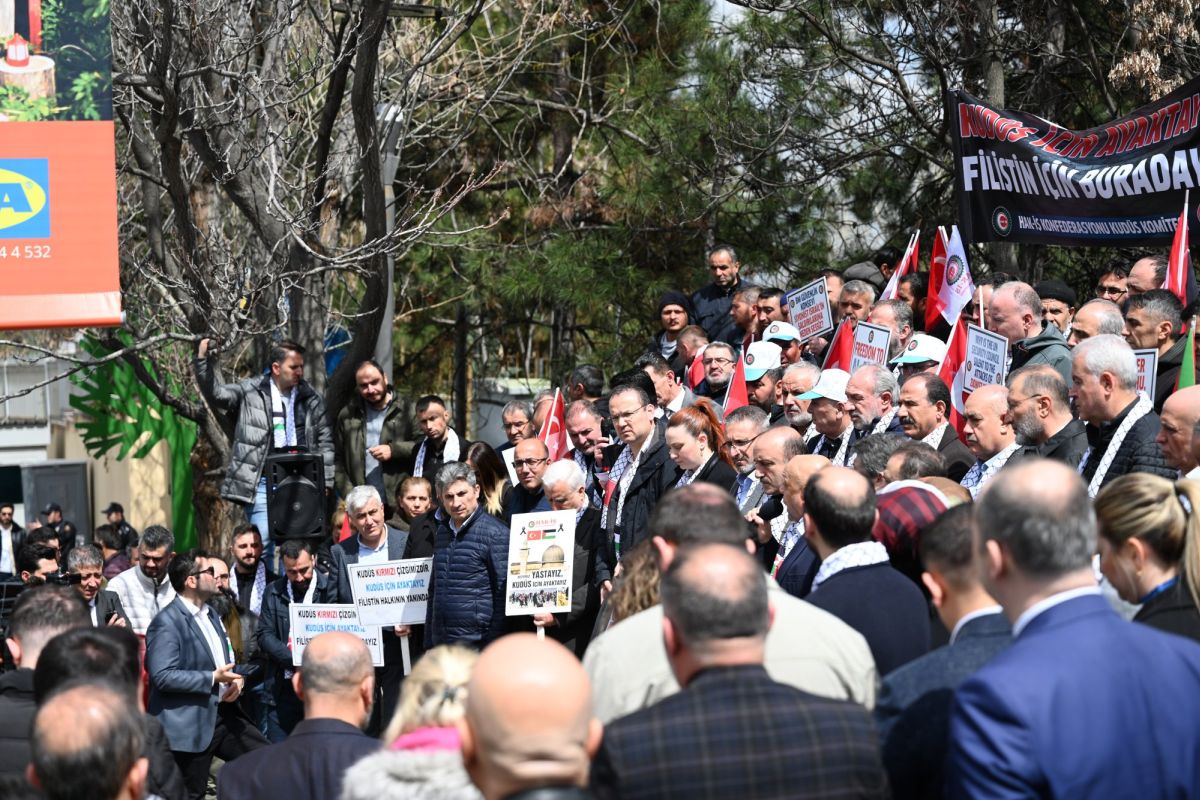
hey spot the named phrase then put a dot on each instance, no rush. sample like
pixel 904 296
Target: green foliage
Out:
pixel 75 33
pixel 18 106
pixel 121 414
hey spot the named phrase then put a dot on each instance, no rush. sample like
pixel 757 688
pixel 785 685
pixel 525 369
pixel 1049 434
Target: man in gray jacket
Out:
pixel 276 411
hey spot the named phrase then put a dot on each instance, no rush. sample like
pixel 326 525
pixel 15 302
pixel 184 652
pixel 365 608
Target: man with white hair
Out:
pixel 828 401
pixel 1094 318
pixel 1121 425
pixel 798 379
pixel 1016 314
pixel 373 544
pixel 871 395
pixel 896 316
pixel 742 427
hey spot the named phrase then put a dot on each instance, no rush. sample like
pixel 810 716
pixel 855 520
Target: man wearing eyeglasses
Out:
pixel 1112 283
pixel 1041 415
pixel 194 682
pixel 742 427
pixel 530 462
pixel 718 360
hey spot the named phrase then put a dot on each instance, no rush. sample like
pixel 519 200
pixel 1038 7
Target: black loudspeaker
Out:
pixel 295 495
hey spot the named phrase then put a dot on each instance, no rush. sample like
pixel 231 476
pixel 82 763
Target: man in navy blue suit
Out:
pixel 913 709
pixel 1083 704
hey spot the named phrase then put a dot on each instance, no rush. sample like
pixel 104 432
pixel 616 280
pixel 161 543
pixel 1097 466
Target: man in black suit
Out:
pixel 856 581
pixel 924 415
pixel 337 684
pixel 913 708
pixel 104 606
pixel 732 731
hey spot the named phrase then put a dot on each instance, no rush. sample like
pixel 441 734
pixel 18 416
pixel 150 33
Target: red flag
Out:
pixel 736 395
pixel 344 533
pixel 554 428
pixel 937 273
pixel 841 350
pixel 908 264
pixel 1181 280
pixel 953 372
pixel 695 373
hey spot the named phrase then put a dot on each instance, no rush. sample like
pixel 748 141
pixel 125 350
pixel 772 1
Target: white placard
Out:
pixel 309 621
pixel 987 359
pixel 1147 370
pixel 871 344
pixel 508 455
pixel 541 555
pixel 391 593
pixel 808 310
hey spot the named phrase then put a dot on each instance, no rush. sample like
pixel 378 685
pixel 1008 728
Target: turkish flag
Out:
pixel 953 372
pixel 937 272
pixel 554 428
pixel 1181 280
pixel 695 372
pixel 841 350
pixel 908 264
pixel 736 395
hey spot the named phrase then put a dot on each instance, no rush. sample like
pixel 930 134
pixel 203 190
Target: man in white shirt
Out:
pixel 144 589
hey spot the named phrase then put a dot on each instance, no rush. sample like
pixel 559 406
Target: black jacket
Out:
pixel 718 473
pixel 959 459
pixel 710 310
pixel 107 604
pixel 1139 452
pixel 16 718
pixel 1067 446
pixel 1167 374
pixel 275 626
pixel 1173 611
pixel 656 475
pixel 470 572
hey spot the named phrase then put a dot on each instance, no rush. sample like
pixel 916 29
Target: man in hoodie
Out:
pixel 1016 314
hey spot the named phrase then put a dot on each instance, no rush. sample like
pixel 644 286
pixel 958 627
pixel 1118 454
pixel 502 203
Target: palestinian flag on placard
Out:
pixel 1187 369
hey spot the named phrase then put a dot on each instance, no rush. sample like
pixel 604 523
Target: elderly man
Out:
pixel 743 426
pixel 797 380
pixel 711 304
pixel 513 742
pixel 642 470
pixel 517 419
pixel 796 563
pixel 669 393
pixel 103 606
pixel 1146 274
pixel 144 589
pixel 1152 321
pixel 855 301
pixel 924 407
pixel 1016 314
pixel 785 336
pixel 827 404
pixel 585 426
pixel 337 686
pixel 1097 676
pixel 1121 426
pixel 470 566
pixel 897 317
pixel 772 451
pixel 807 649
pixel 1095 318
pixel 1058 304
pixel 1039 405
pixel 530 461
pixel 989 434
pixel 1176 433
pixel 871 395
pixel 856 582
pixel 718 359
pixel 716 618
pixel 375 435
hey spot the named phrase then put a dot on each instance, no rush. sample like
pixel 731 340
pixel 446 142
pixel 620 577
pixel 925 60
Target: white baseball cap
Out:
pixel 831 385
pixel 921 348
pixel 761 358
pixel 781 331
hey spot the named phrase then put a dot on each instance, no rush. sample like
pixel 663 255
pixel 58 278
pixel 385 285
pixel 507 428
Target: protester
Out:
pixel 530 460
pixel 440 444
pixel 913 709
pixel 422 755
pixel 274 412
pixel 40 614
pixel 870 456
pixel 1147 274
pixel 103 606
pixel 784 336
pixel 744 311
pixel 674 313
pixel 715 622
pixel 797 380
pixel 513 740
pixel 1040 408
pixel 855 301
pixel 112 549
pixel 490 476
pixel 742 427
pixel 1177 437
pixel 914 291
pixel 834 425
pixel 897 317
pixel 585 426
pixel 145 590
pixel 1152 321
pixel 711 304
pixel 856 582
pixel 772 307
pixel 913 460
pixel 375 434
pixel 1111 282
pixel 1058 304
pixel 806 648
pixel 1016 314
pixel 517 419
pixel 669 393
pixel 718 360
pixel 336 685
pixel 922 354
pixel 1095 318
pixel 87 742
pixel 762 372
pixel 1150 549
pixel 696 443
pixel 923 412
pixel 586 383
pixel 1121 425
pixel 796 562
pixel 989 435
pixel 871 394
pixel 772 451
pixel 1019 724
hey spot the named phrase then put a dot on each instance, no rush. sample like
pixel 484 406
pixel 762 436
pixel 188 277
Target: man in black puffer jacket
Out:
pixel 470 566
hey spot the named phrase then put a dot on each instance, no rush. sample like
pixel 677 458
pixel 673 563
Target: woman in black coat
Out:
pixel 1150 548
pixel 695 442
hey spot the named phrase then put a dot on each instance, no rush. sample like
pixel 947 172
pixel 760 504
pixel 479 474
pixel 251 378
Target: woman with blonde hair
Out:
pixel 421 758
pixel 492 477
pixel 1149 547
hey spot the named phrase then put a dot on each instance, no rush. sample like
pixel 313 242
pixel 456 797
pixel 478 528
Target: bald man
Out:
pixel 772 451
pixel 732 731
pixel 988 430
pixel 90 735
pixel 1016 314
pixel 530 459
pixel 336 683
pixel 856 582
pixel 796 563
pixel 1176 433
pixel 529 722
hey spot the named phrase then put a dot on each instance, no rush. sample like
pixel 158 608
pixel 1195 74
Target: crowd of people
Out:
pixel 852 584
